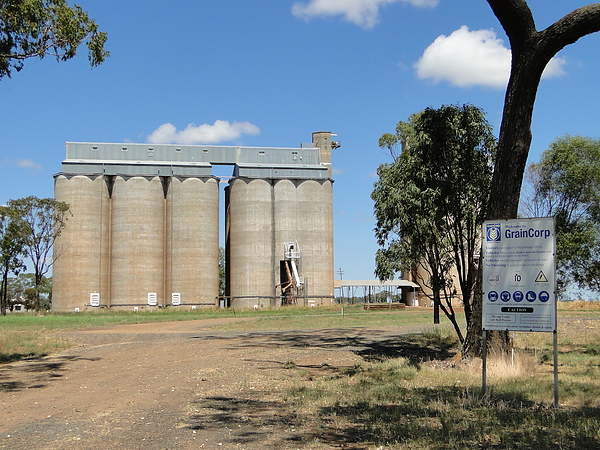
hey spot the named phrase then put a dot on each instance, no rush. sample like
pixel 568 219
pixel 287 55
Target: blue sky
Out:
pixel 270 72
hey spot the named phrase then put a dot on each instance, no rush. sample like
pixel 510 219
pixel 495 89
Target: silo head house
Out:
pixel 144 231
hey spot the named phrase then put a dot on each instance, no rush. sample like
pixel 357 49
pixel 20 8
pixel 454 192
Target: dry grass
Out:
pixel 407 403
pixel 579 305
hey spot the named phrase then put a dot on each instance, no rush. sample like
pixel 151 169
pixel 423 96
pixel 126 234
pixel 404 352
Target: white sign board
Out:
pixel 519 272
pixel 95 299
pixel 175 298
pixel 151 298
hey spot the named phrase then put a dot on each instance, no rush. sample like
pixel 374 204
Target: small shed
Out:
pixel 376 291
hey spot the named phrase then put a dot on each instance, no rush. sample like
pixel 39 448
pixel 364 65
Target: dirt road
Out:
pixel 175 385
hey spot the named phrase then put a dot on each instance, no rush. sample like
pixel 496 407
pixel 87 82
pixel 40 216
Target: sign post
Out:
pixel 519 278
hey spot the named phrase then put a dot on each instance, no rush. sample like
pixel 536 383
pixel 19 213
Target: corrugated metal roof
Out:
pixel 147 159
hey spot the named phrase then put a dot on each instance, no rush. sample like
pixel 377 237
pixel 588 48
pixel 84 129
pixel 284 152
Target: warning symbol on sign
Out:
pixel 541 278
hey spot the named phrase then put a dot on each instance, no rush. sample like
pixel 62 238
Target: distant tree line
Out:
pixel 28 229
pixel 21 293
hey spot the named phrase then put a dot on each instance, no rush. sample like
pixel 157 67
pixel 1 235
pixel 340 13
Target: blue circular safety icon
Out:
pixel 544 296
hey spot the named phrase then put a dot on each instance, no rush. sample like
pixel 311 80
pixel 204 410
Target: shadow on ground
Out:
pixel 34 373
pixel 249 420
pixel 433 417
pixel 422 419
pixel 371 345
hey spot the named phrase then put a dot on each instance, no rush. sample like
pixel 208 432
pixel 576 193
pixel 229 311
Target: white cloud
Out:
pixel 471 58
pixel 220 131
pixel 362 218
pixel 364 13
pixel 27 164
pixel 554 68
pixel 22 163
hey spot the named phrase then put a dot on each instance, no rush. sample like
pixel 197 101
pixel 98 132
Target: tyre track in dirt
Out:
pixel 173 385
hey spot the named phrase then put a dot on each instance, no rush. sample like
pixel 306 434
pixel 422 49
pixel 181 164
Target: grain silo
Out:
pixel 83 242
pixel 280 231
pixel 315 236
pixel 250 242
pixel 193 241
pixel 138 242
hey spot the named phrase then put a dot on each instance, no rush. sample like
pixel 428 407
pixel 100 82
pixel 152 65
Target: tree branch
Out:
pixel 571 28
pixel 516 19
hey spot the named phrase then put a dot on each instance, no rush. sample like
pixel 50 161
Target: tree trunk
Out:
pixel 4 293
pixel 38 283
pixel 531 52
pixel 511 159
pixel 515 136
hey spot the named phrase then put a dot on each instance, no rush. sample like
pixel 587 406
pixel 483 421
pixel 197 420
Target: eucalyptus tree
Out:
pixel 44 220
pixel 430 202
pixel 531 51
pixel 39 28
pixel 12 250
pixel 566 184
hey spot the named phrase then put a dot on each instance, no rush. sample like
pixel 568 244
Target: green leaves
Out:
pixel 429 203
pixel 566 185
pixel 436 189
pixel 42 222
pixel 36 28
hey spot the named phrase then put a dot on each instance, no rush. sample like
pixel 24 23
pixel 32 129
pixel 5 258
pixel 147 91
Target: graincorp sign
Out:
pixel 519 275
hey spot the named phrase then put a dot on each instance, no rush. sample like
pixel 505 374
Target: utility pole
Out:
pixel 341 273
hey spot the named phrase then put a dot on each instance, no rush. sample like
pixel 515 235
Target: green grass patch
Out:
pixel 28 335
pixel 330 317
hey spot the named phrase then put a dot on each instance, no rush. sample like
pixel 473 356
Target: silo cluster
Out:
pixel 144 230
pixel 127 237
pixel 264 215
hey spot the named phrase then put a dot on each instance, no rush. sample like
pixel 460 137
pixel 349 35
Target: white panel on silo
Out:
pixel 83 245
pixel 138 226
pixel 193 219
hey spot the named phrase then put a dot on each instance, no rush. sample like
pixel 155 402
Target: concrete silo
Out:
pixel 80 273
pixel 193 241
pixel 138 241
pixel 315 238
pixel 269 214
pixel 250 241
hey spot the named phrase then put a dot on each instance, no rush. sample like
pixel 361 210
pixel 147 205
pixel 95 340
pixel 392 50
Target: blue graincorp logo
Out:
pixel 493 232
